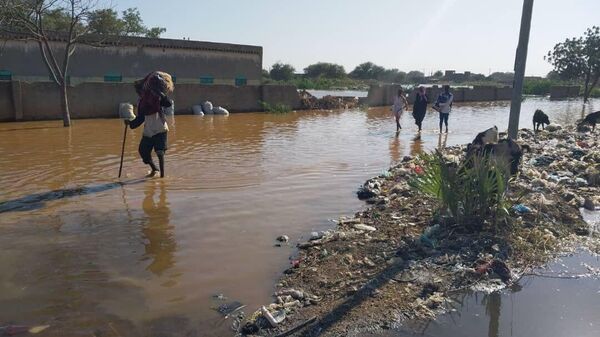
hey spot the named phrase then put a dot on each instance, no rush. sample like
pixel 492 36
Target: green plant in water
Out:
pixel 470 193
pixel 275 108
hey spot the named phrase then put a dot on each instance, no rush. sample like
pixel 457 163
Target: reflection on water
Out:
pixel 442 140
pixel 493 306
pixel 82 250
pixel 416 146
pixel 396 149
pixel 158 231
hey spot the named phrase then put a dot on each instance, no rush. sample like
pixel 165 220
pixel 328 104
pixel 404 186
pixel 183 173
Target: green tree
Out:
pixel 105 22
pixel 155 32
pixel 438 74
pixel 415 76
pixel 367 71
pixel 34 19
pixel 578 59
pixel 57 19
pixel 326 70
pixel 392 75
pixel 282 72
pixel 502 77
pixel 133 23
pixel 553 75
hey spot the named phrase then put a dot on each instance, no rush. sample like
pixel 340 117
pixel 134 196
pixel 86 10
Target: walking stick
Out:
pixel 123 150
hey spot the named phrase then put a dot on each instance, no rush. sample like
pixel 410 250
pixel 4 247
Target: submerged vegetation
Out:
pixel 275 108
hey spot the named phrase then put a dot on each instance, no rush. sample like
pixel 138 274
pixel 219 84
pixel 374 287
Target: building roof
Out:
pixel 112 40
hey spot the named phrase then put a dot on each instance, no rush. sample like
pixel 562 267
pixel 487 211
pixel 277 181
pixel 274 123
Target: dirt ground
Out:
pixel 397 261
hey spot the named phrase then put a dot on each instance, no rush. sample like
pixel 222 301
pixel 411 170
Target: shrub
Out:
pixel 275 108
pixel 469 193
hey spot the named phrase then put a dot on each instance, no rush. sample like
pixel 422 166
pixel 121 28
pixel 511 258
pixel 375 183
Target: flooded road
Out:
pixel 92 255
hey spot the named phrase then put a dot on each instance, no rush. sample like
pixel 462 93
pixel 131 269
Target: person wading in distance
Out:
pixel 400 104
pixel 443 105
pixel 420 107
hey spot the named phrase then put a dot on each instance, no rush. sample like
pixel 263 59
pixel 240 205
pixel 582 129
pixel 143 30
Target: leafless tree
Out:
pixel 27 20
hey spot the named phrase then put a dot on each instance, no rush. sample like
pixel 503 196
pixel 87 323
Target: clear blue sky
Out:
pixel 476 35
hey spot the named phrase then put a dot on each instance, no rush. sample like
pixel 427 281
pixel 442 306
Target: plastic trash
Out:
pixel 207 107
pixel 12 330
pixel 520 208
pixel 363 227
pixel 220 111
pixel 197 110
pixel 274 320
pixel 427 238
pixel 126 111
pixel 170 111
pixel 229 308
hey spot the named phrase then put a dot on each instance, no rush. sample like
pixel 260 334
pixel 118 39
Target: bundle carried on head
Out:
pixel 153 90
pixel 158 82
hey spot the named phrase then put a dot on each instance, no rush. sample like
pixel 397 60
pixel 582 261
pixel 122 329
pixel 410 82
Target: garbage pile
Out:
pixel 399 260
pixel 207 108
pixel 310 102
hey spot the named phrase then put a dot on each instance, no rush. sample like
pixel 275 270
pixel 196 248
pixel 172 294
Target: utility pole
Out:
pixel 520 62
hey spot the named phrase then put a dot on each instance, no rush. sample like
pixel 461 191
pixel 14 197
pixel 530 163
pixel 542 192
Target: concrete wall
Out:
pixel 384 94
pixel 186 61
pixel 504 94
pixel 6 105
pixel 281 94
pixel 235 99
pixel 564 91
pixel 479 93
pixel 41 100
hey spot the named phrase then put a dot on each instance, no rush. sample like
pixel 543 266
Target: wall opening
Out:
pixel 5 75
pixel 207 80
pixel 112 77
pixel 239 81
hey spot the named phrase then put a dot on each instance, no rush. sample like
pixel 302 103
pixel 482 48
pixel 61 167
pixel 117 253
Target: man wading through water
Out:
pixel 152 92
pixel 443 105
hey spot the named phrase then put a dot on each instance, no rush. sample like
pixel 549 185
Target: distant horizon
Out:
pixel 460 35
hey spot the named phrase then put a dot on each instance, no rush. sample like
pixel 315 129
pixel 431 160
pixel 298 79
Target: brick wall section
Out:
pixel 281 94
pixel 564 91
pixel 41 100
pixel 380 95
pixel 6 104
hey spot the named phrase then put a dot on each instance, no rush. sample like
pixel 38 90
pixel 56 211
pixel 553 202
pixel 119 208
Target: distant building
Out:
pixel 449 73
pixel 125 59
pixel 453 76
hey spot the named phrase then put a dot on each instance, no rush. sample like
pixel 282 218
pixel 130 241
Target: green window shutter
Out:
pixel 207 80
pixel 112 77
pixel 239 81
pixel 5 75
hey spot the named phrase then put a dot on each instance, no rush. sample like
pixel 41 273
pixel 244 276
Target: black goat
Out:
pixel 540 118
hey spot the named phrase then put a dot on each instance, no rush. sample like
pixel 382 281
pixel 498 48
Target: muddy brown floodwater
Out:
pixel 94 256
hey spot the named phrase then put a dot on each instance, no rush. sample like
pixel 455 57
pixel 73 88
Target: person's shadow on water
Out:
pixel 160 245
